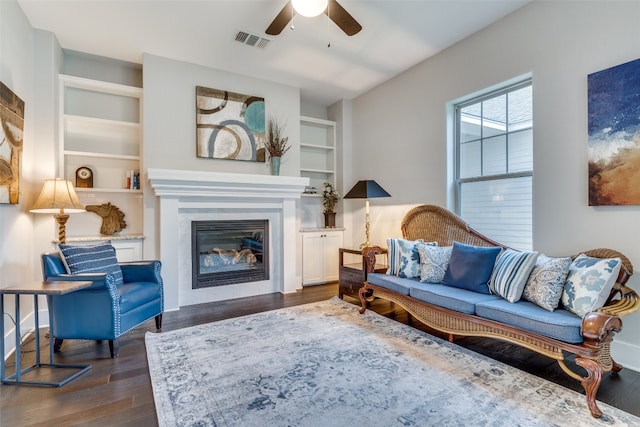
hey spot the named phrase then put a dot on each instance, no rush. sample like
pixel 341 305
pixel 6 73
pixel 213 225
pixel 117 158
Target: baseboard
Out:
pixel 26 329
pixel 628 355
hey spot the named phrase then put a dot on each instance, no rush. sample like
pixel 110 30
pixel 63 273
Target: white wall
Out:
pixel 169 139
pixel 16 236
pixel 400 131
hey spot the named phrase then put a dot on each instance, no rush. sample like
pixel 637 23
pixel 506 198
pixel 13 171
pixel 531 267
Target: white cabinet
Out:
pixel 100 129
pixel 318 151
pixel 320 256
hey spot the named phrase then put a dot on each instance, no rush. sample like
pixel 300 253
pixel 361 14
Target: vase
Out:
pixel 329 219
pixel 275 165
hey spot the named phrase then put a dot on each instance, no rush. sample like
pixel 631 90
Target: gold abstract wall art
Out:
pixel 11 132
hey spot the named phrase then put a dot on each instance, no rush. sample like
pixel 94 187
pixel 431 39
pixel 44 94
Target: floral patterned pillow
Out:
pixel 546 281
pixel 404 259
pixel 589 283
pixel 433 262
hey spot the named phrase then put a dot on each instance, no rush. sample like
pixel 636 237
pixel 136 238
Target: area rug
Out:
pixel 323 364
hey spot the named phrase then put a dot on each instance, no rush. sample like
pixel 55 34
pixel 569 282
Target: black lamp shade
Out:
pixel 366 190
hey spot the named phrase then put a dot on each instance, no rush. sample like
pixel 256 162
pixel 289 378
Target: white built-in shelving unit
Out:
pixel 318 151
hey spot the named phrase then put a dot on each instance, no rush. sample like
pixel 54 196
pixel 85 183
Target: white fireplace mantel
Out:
pixel 194 195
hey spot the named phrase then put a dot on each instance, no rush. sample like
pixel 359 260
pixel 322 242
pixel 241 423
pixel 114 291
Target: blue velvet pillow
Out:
pixel 470 267
pixel 100 258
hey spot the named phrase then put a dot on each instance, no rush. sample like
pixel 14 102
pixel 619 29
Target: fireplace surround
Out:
pixel 185 196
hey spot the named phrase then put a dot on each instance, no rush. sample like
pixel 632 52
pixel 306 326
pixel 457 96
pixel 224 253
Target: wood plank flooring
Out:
pixel 118 392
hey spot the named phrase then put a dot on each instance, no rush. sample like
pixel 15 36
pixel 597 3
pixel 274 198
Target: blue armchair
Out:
pixel 104 310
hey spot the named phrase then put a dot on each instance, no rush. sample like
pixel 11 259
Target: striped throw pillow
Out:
pixel 91 259
pixel 511 272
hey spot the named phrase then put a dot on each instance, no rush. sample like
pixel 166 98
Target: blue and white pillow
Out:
pixel 511 272
pixel 546 281
pixel 404 258
pixel 589 283
pixel 434 261
pixel 91 259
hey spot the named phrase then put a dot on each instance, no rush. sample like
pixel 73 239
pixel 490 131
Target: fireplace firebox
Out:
pixel 229 252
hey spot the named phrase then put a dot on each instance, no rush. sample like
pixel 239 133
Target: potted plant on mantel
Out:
pixel 330 199
pixel 276 144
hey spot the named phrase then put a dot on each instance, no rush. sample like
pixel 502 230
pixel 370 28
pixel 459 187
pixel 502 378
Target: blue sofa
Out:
pixel 461 312
pixel 104 310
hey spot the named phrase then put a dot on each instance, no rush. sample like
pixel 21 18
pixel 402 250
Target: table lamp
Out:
pixel 58 197
pixel 368 189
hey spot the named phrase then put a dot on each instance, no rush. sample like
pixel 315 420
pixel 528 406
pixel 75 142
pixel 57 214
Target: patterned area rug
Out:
pixel 323 364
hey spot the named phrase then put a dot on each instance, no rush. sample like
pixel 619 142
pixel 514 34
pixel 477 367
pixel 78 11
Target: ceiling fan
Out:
pixel 331 8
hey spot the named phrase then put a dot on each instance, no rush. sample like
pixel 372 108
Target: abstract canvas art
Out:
pixel 11 131
pixel 229 125
pixel 614 135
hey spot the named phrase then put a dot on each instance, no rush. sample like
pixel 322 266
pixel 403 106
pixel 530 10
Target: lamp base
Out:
pixel 61 219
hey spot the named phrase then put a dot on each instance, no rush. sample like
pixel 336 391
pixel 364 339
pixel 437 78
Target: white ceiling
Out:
pixel 396 35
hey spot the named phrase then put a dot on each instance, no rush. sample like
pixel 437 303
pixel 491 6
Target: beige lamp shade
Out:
pixel 57 197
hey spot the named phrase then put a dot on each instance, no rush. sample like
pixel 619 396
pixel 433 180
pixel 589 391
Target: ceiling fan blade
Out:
pixel 281 20
pixel 342 18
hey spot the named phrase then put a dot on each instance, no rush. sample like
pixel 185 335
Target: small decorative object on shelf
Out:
pixel 133 180
pixel 112 218
pixel 330 197
pixel 276 144
pixel 84 177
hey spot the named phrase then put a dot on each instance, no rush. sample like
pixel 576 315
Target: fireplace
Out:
pixel 228 252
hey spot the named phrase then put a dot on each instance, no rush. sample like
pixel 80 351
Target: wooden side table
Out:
pixel 35 289
pixel 351 276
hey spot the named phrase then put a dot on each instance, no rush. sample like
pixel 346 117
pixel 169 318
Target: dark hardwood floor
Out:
pixel 118 392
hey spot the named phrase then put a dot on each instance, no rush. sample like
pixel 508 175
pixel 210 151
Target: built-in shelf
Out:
pixel 318 151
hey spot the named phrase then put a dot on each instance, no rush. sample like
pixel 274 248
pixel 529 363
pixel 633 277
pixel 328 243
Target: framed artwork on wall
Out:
pixel 614 135
pixel 229 125
pixel 11 132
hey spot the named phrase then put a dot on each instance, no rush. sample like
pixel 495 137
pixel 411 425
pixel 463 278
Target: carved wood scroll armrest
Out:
pixel 369 254
pixel 598 327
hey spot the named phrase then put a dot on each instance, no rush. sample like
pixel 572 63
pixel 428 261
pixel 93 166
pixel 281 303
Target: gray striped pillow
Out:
pixel 511 272
pixel 91 259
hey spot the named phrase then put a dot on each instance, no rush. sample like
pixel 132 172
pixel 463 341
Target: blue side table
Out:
pixel 35 289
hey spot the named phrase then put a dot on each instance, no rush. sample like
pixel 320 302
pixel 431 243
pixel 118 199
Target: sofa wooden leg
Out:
pixel 616 367
pixel 591 383
pixel 114 348
pixel 158 321
pixel 57 343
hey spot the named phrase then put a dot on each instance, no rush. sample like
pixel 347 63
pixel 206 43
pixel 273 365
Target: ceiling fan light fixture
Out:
pixel 310 8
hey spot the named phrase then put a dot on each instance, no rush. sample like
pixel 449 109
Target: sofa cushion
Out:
pixel 560 324
pixel 433 262
pixel 449 297
pixel 91 259
pixel 393 283
pixel 589 283
pixel 404 259
pixel 511 272
pixel 470 267
pixel 546 281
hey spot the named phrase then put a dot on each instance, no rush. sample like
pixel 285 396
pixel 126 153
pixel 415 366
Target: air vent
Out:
pixel 251 39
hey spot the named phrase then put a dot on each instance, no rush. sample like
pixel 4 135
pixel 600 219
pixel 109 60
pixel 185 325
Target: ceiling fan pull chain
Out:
pixel 328 24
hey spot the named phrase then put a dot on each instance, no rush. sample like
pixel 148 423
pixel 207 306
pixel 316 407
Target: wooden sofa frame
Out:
pixel 433 223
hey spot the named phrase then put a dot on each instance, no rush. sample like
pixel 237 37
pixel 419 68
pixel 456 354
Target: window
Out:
pixel 494 164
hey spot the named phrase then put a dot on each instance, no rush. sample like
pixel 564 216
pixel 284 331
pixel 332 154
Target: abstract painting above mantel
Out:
pixel 229 125
pixel 614 135
pixel 11 132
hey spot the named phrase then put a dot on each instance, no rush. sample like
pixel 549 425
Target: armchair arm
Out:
pixel 141 271
pixel 369 255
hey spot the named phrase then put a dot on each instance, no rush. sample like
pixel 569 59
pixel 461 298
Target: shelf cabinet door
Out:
pixel 320 256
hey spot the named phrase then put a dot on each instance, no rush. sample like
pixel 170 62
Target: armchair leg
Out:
pixel 57 343
pixel 158 321
pixel 114 349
